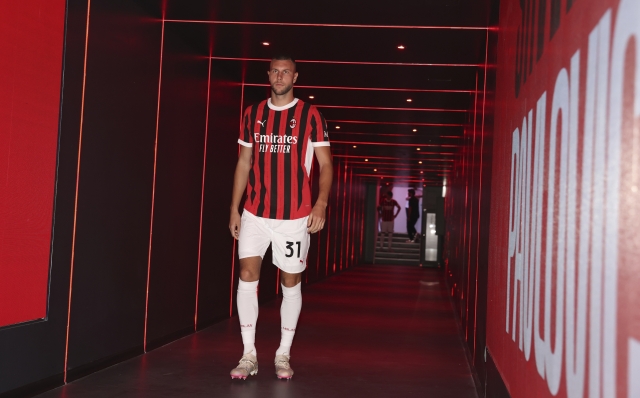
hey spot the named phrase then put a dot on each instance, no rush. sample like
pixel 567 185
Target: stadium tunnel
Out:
pixel 517 121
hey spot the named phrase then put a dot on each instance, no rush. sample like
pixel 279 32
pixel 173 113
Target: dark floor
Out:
pixel 374 331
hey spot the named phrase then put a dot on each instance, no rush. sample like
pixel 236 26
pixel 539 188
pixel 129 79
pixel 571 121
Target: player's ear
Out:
pixel 295 77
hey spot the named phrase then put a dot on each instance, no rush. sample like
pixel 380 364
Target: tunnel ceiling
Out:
pixel 349 61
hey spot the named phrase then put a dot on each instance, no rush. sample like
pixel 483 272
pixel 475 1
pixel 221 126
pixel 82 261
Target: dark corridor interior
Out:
pixel 141 256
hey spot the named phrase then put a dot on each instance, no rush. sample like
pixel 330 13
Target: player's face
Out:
pixel 282 75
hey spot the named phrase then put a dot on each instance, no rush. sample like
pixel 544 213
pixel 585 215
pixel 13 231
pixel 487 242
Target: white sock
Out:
pixel 289 313
pixel 247 302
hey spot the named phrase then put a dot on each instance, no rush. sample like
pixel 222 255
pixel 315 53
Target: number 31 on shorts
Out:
pixel 290 249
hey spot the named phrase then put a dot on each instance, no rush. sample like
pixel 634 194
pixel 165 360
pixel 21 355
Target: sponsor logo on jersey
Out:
pixel 262 122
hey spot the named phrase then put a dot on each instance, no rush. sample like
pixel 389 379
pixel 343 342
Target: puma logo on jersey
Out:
pixel 262 122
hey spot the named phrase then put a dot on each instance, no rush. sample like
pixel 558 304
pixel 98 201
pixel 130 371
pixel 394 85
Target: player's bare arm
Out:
pixel 317 217
pixel 399 209
pixel 239 184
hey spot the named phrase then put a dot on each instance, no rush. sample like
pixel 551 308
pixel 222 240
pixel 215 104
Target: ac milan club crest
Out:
pixel 293 123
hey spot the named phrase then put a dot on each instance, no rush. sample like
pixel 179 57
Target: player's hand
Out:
pixel 316 219
pixel 234 224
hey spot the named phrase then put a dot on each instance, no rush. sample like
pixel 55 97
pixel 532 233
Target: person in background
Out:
pixel 389 210
pixel 413 214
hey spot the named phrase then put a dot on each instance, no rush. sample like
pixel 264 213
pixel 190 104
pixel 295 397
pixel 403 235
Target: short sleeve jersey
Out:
pixel 388 209
pixel 282 138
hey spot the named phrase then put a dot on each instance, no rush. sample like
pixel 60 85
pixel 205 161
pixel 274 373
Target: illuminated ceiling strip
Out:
pixel 389 158
pixel 417 90
pixel 396 144
pixel 412 135
pixel 399 123
pixel 315 61
pixel 328 25
pixel 393 109
pixel 401 177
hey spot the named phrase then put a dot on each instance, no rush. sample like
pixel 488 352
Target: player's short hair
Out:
pixel 284 57
pixel 389 194
pixel 412 191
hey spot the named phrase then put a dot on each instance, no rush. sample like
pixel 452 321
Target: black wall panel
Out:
pixel 217 254
pixel 115 185
pixel 178 190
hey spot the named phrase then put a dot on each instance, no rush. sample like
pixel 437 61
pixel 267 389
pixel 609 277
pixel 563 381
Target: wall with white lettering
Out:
pixel 562 317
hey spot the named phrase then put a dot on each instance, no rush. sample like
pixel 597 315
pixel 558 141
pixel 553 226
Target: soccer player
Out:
pixel 387 208
pixel 278 138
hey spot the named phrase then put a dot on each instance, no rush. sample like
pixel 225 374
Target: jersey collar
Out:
pixel 281 108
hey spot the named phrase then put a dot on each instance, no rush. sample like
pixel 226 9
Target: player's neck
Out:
pixel 282 100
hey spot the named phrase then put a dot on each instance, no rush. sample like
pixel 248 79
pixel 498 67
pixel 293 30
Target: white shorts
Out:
pixel 289 241
pixel 386 227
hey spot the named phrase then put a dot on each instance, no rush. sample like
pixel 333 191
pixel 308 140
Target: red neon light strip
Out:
pixel 382 108
pixel 317 61
pixel 337 218
pixel 412 135
pixel 389 158
pixel 484 102
pixel 153 191
pixel 233 258
pixel 396 144
pixel 204 169
pixel 412 90
pixel 328 25
pixel 344 198
pixel 400 123
pixel 475 107
pixel 75 203
pixel 349 232
pixel 326 271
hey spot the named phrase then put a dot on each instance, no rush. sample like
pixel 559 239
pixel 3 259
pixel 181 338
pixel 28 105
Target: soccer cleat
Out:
pixel 248 366
pixel 283 369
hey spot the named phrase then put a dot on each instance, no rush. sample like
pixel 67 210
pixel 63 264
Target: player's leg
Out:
pixel 289 314
pixel 252 244
pixel 290 247
pixel 247 301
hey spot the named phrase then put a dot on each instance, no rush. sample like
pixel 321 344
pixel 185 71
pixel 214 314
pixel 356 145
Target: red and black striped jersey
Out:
pixel 389 209
pixel 283 138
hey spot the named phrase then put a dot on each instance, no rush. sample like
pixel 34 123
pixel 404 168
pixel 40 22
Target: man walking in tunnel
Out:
pixel 278 138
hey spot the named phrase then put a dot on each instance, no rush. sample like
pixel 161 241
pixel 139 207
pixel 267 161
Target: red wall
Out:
pixel 563 315
pixel 31 49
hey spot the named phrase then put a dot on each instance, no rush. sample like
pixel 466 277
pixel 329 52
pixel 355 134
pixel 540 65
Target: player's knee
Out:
pixel 249 275
pixel 290 280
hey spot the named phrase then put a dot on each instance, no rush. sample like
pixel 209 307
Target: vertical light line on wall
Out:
pixel 75 203
pixel 362 215
pixel 344 246
pixel 235 242
pixel 153 190
pixel 337 217
pixel 475 113
pixel 204 169
pixel 326 270
pixel 349 240
pixel 484 102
